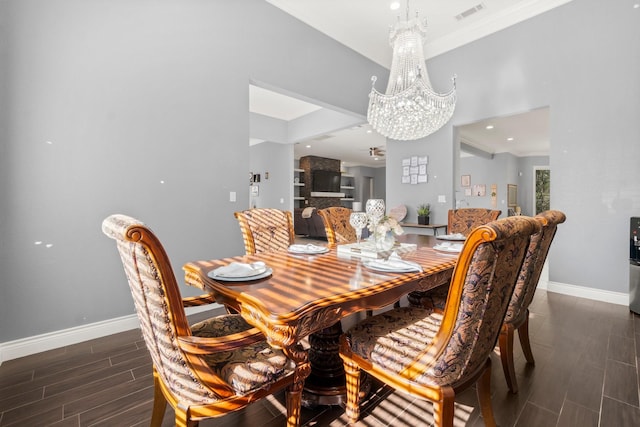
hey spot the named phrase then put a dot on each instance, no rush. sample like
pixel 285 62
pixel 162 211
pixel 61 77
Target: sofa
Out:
pixel 309 227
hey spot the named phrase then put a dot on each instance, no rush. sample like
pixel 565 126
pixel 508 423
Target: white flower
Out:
pixel 385 225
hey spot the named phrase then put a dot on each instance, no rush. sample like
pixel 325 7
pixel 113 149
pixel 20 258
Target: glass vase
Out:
pixel 375 210
pixel 385 241
pixel 358 221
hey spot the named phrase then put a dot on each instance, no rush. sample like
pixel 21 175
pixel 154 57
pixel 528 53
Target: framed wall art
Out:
pixel 512 195
pixel 414 170
pixel 480 190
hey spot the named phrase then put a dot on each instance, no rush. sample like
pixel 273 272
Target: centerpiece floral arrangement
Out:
pixel 384 230
pixel 385 225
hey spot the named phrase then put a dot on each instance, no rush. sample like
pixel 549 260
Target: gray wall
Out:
pixel 582 60
pixel 276 191
pixel 145 103
pixel 379 182
pixel 132 93
pixel 499 170
pixel 439 176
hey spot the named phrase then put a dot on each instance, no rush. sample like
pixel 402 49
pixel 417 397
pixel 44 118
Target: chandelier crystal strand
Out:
pixel 410 109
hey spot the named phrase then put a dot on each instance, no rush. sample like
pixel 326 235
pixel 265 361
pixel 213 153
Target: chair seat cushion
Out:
pixel 248 368
pixel 397 339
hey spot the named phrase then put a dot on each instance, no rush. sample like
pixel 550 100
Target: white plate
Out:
pixel 451 249
pixel 320 250
pixel 377 267
pixel 453 237
pixel 268 271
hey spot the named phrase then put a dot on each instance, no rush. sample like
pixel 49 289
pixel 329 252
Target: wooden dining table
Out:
pixel 306 296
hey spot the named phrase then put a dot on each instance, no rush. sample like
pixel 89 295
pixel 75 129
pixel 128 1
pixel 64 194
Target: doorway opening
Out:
pixel 500 152
pixel 541 189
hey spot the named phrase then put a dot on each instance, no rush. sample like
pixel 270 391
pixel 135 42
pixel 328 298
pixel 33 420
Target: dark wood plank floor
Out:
pixel 586 374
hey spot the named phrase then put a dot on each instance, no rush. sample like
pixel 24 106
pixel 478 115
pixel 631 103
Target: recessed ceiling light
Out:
pixel 395 5
pixel 509 139
pixel 637 5
pixel 489 127
pixel 308 146
pixel 369 131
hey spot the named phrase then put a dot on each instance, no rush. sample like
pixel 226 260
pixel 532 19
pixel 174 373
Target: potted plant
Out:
pixel 423 213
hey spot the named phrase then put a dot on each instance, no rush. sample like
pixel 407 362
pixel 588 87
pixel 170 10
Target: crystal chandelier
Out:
pixel 410 109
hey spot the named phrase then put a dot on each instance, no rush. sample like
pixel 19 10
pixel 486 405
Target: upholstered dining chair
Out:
pixel 431 354
pixel 204 370
pixel 464 220
pixel 265 229
pixel 517 317
pixel 336 224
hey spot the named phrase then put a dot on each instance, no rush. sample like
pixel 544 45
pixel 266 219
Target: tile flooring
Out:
pixel 586 374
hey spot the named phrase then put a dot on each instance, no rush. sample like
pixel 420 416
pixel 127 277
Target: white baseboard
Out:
pixel 36 344
pixel 620 298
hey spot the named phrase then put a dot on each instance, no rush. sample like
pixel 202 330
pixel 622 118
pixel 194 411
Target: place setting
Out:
pixel 449 247
pixel 309 249
pixel 241 272
pixel 455 237
pixel 393 264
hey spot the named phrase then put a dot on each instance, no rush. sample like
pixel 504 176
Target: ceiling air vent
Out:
pixel 471 11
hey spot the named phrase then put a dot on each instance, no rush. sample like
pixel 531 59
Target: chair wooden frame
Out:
pixel 518 231
pixel 138 246
pixel 265 229
pixel 517 317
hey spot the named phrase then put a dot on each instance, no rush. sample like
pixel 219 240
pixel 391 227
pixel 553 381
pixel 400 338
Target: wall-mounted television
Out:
pixel 325 181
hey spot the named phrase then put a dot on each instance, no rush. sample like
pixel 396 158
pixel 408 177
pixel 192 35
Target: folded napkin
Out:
pixel 394 263
pixel 309 248
pixel 454 236
pixel 240 269
pixel 449 247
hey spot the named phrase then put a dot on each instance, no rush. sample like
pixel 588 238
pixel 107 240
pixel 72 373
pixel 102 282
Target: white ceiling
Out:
pixel 363 26
pixel 525 134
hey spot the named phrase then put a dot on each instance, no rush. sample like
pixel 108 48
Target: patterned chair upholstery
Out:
pixel 206 370
pixel 337 226
pixel 265 230
pixel 432 354
pixel 466 219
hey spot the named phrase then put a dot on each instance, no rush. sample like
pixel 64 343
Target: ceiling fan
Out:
pixel 376 152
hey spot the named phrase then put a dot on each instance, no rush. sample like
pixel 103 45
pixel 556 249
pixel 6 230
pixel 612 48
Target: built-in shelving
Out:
pixel 298 183
pixel 348 187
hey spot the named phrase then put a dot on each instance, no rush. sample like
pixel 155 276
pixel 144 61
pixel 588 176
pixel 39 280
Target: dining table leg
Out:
pixel 326 384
